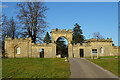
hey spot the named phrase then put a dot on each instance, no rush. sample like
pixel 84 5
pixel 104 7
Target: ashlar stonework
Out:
pixel 25 48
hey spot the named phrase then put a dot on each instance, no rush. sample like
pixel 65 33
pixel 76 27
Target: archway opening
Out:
pixel 62 47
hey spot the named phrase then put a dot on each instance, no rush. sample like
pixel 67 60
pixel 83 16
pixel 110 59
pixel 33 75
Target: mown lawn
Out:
pixel 108 56
pixel 108 64
pixel 35 68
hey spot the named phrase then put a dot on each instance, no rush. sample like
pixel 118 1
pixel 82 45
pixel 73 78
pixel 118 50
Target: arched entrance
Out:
pixel 61 47
pixel 66 34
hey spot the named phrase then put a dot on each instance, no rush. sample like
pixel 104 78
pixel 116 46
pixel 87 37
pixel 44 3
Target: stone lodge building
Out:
pixel 25 48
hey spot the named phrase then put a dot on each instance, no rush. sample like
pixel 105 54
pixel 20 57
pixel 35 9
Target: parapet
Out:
pixel 69 30
pixel 78 44
pixel 115 46
pixel 64 30
pixel 109 39
pixel 53 30
pixel 99 40
pixel 42 45
pixel 103 39
pixel 8 38
pixel 38 43
pixel 59 30
pixel 20 39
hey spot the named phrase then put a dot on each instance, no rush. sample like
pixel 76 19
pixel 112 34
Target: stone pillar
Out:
pixel 70 50
pixel 98 55
pixel 53 50
pixel 91 55
pixel 30 48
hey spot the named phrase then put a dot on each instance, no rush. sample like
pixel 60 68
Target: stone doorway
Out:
pixel 41 53
pixel 81 52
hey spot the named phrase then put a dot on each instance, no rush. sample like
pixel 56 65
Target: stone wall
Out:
pixel 29 49
pixel 48 50
pixel 12 45
pixel 108 49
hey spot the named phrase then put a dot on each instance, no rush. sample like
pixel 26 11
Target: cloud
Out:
pixel 3 6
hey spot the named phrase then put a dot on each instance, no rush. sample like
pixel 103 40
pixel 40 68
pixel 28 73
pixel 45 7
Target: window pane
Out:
pixel 94 51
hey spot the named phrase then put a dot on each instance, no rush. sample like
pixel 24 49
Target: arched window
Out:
pixel 101 50
pixel 18 50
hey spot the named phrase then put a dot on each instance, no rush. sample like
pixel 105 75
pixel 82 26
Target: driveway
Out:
pixel 82 68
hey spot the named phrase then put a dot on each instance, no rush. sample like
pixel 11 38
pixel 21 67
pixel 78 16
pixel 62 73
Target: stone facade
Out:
pixel 25 48
pixel 103 47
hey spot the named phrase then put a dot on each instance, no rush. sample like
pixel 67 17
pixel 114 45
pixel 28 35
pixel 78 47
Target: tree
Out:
pixel 4 24
pixel 97 35
pixel 47 38
pixel 77 34
pixel 13 28
pixel 9 28
pixel 32 19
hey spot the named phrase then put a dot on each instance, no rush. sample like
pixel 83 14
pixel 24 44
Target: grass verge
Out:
pixel 108 64
pixel 35 68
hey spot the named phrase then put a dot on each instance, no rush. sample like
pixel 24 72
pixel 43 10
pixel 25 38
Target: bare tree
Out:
pixel 5 28
pixel 13 28
pixel 32 17
pixel 97 35
pixel 9 27
pixel 0 27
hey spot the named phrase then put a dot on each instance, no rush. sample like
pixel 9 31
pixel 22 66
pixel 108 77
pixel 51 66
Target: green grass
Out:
pixel 35 68
pixel 108 56
pixel 109 64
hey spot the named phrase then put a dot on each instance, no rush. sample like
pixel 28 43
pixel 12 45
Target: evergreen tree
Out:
pixel 77 34
pixel 47 38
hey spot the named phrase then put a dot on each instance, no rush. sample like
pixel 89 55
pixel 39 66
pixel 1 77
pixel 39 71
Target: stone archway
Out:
pixel 61 47
pixel 67 34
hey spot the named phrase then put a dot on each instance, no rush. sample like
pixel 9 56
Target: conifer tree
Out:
pixel 77 34
pixel 47 38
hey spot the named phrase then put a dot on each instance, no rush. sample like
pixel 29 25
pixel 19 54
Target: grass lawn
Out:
pixel 109 64
pixel 35 68
pixel 108 56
